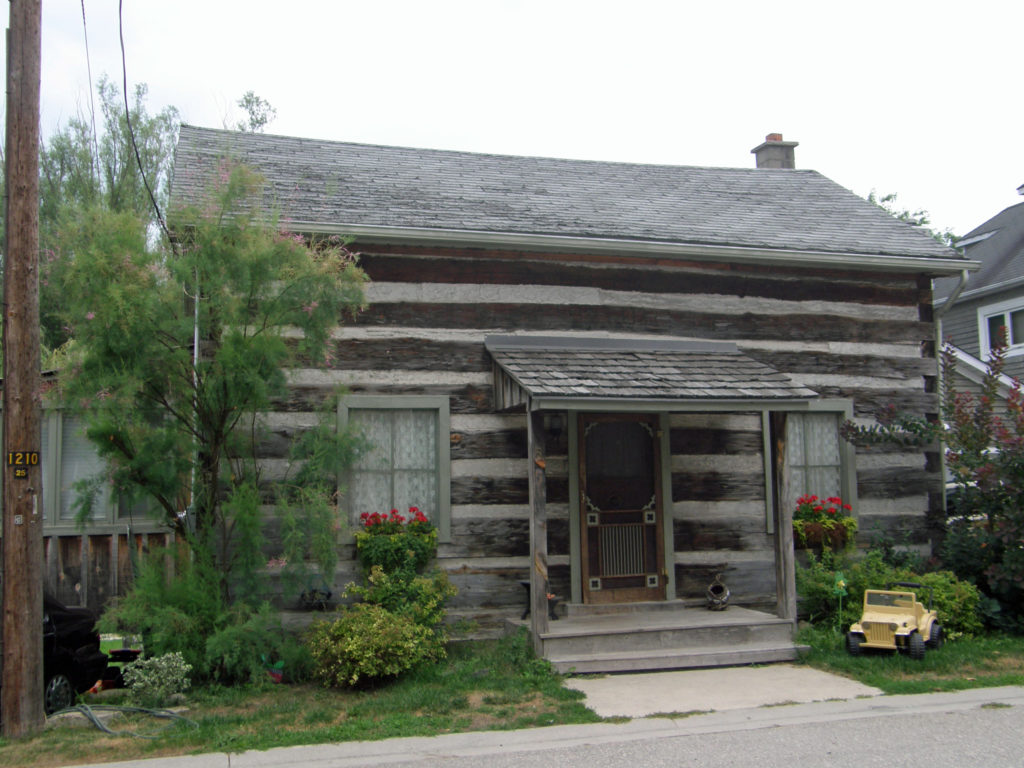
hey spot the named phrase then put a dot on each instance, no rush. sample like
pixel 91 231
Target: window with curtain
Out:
pixel 79 461
pixel 406 461
pixel 812 460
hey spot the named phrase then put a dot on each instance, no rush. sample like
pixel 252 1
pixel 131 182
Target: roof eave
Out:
pixel 651 405
pixel 684 251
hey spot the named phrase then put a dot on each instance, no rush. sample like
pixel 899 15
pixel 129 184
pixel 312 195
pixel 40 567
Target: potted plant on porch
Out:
pixel 820 524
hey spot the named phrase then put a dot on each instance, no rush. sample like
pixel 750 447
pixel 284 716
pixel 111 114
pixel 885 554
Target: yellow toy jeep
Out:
pixel 895 620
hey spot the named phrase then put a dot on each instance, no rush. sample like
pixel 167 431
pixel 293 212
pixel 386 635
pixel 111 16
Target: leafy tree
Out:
pixel 919 218
pixel 177 424
pixel 985 458
pixel 80 172
pixel 259 113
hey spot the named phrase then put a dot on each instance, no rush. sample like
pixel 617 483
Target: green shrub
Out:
pixel 420 597
pixel 368 643
pixel 247 643
pixel 186 614
pixel 154 680
pixel 957 602
pixel 394 542
pixel 172 614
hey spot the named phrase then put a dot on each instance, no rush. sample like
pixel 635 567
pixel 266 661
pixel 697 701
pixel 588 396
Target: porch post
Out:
pixel 785 557
pixel 538 528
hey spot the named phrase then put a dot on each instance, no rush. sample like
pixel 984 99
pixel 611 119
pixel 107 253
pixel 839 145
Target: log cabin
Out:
pixel 607 383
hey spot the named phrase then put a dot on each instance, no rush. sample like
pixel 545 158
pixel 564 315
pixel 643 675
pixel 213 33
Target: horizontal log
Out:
pixel 892 291
pixel 409 354
pixel 491 538
pixel 749 583
pixel 468 399
pixel 506 443
pixel 813 362
pixel 717 486
pixel 710 442
pixel 704 325
pixel 896 481
pixel 740 534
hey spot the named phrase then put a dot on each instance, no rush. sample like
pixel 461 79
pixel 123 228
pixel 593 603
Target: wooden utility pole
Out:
pixel 22 697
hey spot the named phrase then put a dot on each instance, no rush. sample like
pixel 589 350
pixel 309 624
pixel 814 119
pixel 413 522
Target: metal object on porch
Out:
pixel 718 594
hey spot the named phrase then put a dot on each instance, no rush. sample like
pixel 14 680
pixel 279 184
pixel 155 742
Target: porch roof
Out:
pixel 557 372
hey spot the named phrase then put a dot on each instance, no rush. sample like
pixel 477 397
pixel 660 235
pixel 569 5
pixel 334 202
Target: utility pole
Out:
pixel 21 702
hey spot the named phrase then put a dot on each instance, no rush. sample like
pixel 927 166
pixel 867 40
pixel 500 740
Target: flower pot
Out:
pixel 817 536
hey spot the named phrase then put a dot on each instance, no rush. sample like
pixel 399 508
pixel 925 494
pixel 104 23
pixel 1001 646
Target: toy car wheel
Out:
pixel 853 641
pixel 58 694
pixel 916 645
pixel 935 636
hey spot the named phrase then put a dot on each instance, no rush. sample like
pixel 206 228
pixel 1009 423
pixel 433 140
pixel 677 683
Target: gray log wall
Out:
pixel 865 337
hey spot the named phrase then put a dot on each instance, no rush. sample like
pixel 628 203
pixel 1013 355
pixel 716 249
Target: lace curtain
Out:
pixel 812 461
pixel 400 469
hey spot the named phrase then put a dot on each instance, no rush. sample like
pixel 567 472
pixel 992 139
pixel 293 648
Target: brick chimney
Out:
pixel 775 153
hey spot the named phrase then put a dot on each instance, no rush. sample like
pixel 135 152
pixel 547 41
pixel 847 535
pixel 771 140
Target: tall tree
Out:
pixel 80 172
pixel 171 420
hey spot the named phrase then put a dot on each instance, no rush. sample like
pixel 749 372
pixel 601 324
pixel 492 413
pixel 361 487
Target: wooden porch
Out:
pixel 661 635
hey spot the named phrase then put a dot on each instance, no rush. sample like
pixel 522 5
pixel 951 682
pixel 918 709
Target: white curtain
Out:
pixel 400 469
pixel 812 462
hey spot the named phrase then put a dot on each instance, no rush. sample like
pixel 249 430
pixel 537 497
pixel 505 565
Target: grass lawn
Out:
pixel 487 685
pixel 981 662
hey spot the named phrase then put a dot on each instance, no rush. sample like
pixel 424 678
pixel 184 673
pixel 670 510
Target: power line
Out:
pixel 94 165
pixel 131 131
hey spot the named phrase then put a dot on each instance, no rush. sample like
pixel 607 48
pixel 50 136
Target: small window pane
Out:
pixel 376 429
pixel 1017 327
pixel 996 330
pixel 78 461
pixel 416 489
pixel 415 440
pixel 370 492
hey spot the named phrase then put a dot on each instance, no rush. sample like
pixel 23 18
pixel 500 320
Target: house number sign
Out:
pixel 21 461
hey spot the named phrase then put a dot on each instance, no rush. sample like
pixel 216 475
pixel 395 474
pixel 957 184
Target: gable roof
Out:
pixel 556 370
pixel 394 192
pixel 998 245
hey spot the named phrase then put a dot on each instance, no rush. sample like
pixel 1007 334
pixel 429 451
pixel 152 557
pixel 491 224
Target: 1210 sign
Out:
pixel 21 461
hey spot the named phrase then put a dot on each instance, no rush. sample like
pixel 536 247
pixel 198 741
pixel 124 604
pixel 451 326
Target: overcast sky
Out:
pixel 919 98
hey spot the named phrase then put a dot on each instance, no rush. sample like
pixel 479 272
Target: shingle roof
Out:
pixel 999 245
pixel 337 184
pixel 638 369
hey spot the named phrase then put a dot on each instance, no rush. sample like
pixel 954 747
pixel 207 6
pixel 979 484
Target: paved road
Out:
pixel 981 727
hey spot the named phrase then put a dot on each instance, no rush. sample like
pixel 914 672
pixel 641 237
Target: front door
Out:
pixel 622 556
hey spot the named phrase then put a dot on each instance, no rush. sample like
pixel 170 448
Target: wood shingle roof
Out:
pixel 666 370
pixel 327 186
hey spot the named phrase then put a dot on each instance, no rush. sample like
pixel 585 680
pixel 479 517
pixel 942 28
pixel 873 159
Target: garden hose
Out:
pixel 89 713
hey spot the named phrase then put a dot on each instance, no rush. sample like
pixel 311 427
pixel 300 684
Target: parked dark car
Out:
pixel 72 660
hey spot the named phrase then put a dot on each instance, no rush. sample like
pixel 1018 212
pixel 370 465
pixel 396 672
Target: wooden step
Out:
pixel 691 658
pixel 664 636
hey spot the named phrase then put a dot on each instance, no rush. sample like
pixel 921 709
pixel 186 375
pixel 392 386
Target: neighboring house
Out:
pixel 612 380
pixel 989 307
pixel 85 568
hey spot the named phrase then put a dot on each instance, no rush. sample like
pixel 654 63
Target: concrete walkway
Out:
pixel 706 690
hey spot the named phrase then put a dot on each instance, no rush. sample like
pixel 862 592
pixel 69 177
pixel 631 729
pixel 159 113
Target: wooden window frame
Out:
pixel 1006 309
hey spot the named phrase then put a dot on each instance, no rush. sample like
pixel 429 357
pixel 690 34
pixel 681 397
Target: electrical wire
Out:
pixel 128 120
pixel 94 165
pixel 89 713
